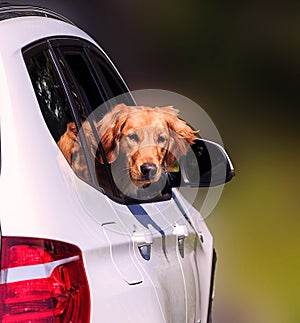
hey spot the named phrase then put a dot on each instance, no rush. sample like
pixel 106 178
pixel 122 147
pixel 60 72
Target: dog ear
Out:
pixel 181 135
pixel 109 129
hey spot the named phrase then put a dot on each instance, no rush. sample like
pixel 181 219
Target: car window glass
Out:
pixel 56 109
pixel 49 92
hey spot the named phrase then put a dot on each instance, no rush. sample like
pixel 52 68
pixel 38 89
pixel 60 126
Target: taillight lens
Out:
pixel 42 281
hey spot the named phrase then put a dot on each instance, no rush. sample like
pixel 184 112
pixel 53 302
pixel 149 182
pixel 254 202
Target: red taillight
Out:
pixel 42 281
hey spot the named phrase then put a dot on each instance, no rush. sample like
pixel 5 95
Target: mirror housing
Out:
pixel 206 164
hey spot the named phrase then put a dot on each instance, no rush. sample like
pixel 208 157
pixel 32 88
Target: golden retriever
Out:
pixel 139 142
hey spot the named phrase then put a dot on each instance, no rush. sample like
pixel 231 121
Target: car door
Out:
pixel 152 246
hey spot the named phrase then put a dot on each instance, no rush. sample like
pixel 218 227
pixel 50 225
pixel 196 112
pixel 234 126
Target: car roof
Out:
pixel 8 11
pixel 31 23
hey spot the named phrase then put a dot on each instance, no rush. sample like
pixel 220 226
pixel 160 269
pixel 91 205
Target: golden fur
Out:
pixel 141 140
pixel 67 142
pixel 71 147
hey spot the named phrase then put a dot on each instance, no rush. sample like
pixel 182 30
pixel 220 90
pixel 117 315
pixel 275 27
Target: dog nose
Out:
pixel 148 169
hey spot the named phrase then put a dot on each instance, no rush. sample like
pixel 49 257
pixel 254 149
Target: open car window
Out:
pixel 76 86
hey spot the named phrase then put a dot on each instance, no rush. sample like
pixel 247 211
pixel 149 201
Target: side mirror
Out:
pixel 206 164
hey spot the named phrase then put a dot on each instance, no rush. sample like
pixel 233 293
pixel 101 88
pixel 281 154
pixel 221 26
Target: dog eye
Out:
pixel 133 137
pixel 161 139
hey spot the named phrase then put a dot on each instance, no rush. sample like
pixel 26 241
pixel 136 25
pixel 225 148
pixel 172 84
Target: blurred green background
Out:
pixel 239 60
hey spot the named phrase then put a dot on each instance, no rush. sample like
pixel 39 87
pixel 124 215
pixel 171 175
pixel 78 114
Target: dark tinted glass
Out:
pixel 49 92
pixel 56 109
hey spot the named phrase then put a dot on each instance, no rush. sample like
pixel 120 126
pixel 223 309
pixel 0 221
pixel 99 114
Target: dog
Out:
pixel 141 143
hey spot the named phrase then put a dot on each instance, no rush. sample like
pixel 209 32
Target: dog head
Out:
pixel 145 139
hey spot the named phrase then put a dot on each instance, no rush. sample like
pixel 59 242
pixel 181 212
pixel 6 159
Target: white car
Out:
pixel 73 249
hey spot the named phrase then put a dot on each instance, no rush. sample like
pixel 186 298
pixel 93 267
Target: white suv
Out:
pixel 74 249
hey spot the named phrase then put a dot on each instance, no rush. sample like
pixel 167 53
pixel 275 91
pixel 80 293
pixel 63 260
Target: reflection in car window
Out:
pixel 49 92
